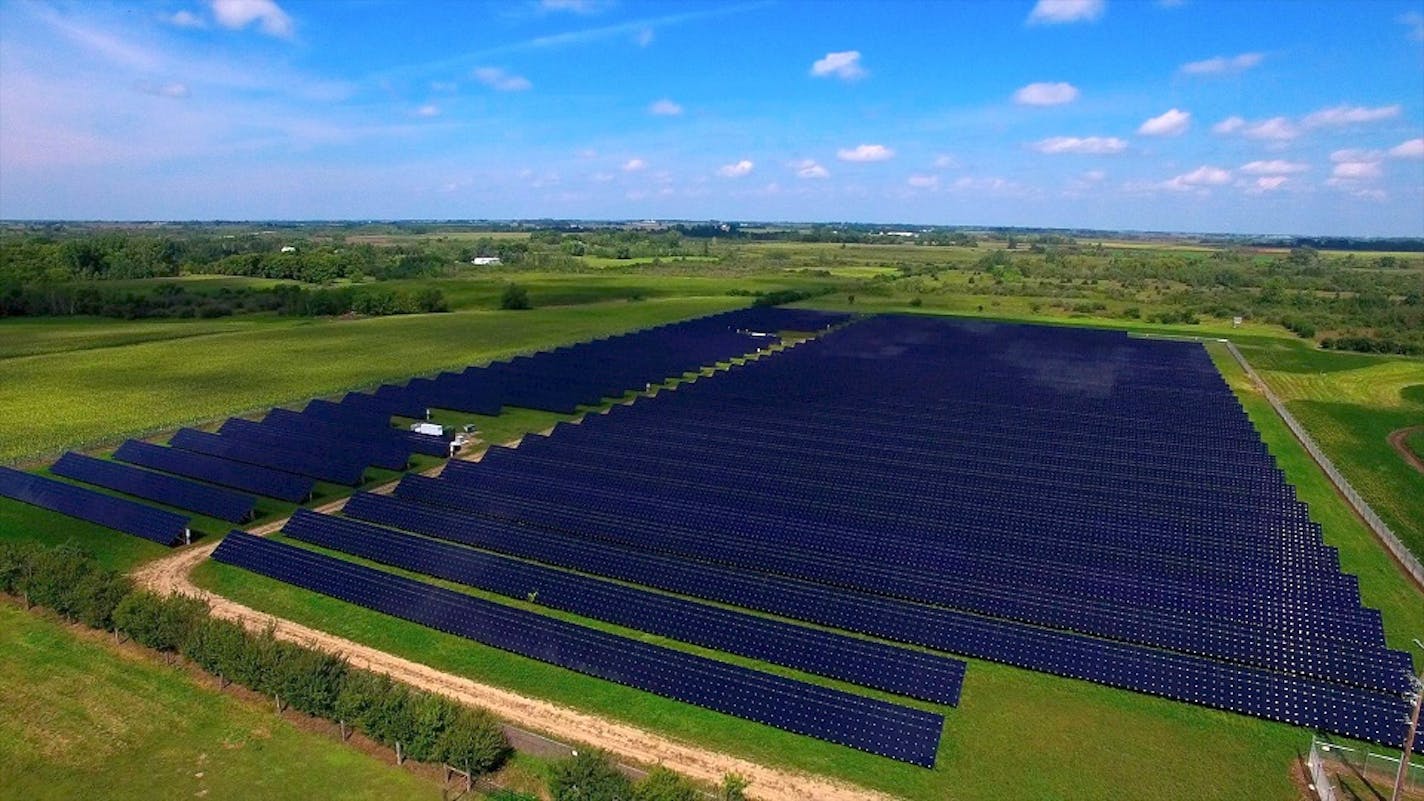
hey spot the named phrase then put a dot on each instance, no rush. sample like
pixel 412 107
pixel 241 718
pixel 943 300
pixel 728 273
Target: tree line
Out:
pixel 178 301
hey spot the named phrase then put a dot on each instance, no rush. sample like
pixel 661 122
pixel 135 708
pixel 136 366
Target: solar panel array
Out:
pixel 880 727
pixel 120 514
pixel 223 504
pixel 912 673
pixel 1072 501
pixel 217 470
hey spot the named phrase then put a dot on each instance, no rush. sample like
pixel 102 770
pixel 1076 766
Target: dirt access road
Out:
pixel 170 575
pixel 1396 441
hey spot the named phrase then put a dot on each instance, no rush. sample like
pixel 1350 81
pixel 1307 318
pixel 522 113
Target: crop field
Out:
pixel 85 719
pixel 53 402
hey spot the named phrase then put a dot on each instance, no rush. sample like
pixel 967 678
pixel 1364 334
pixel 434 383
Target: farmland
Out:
pixel 88 382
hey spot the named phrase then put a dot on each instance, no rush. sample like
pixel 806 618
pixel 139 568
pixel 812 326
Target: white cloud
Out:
pixel 1269 183
pixel 447 87
pixel 664 108
pixel 844 65
pixel 428 110
pixel 1093 145
pixel 645 37
pixel 185 19
pixel 1200 178
pixel 865 153
pixel 1222 65
pixel 1053 12
pixel 1046 94
pixel 1274 167
pixel 923 181
pixel 1412 149
pixel 808 168
pixel 1415 22
pixel 634 165
pixel 1229 125
pixel 944 162
pixel 737 169
pixel 1355 154
pixel 1171 123
pixel 501 81
pixel 1277 129
pixel 1356 170
pixel 1349 115
pixel 1094 176
pixel 574 6
pixel 174 90
pixel 269 16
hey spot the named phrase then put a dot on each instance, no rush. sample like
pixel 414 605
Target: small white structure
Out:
pixel 288 249
pixel 484 261
pixel 433 429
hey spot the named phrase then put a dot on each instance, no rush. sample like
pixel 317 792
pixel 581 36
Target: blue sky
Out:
pixel 1286 117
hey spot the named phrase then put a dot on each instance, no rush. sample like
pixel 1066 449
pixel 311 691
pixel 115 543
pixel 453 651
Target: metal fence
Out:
pixel 1409 561
pixel 1332 767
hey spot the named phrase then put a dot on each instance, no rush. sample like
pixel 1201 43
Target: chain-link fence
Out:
pixel 1402 554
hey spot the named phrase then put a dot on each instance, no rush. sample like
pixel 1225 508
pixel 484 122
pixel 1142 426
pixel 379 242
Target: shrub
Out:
pixel 473 742
pixel 733 788
pixel 662 784
pixel 162 624
pixel 514 298
pixel 218 646
pixel 589 776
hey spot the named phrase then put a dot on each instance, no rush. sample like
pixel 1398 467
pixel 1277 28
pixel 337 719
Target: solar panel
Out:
pixel 130 517
pixel 217 470
pixel 902 733
pixel 181 493
pixel 378 454
pixel 321 466
pixel 893 669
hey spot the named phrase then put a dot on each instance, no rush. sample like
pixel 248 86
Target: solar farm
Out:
pixel 870 502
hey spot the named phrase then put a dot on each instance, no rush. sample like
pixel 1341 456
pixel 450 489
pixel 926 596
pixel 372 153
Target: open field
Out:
pixel 83 718
pixel 55 401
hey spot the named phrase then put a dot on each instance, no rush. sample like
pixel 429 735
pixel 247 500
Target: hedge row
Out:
pixel 427 727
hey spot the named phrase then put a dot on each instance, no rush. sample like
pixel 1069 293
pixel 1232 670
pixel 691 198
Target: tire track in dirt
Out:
pixel 1397 441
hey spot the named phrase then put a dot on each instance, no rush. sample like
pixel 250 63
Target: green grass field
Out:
pixel 84 719
pixel 99 394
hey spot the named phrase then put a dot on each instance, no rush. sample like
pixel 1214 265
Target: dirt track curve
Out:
pixel 1396 441
pixel 170 575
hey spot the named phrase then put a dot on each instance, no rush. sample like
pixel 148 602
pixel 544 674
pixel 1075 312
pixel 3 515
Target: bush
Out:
pixel 473 742
pixel 162 624
pixel 589 776
pixel 662 784
pixel 98 594
pixel 514 298
pixel 219 647
pixel 16 560
pixel 733 788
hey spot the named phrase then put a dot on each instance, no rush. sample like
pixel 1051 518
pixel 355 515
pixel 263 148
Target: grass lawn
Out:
pixel 84 719
pixel 64 400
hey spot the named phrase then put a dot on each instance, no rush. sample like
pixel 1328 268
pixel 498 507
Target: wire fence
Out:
pixel 1407 559
pixel 1340 772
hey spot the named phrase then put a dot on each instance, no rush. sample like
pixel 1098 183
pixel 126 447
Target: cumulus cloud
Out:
pixel 1092 145
pixel 1046 94
pixel 185 19
pixel 1274 167
pixel 501 81
pixel 428 110
pixel 1411 149
pixel 1055 12
pixel 664 108
pixel 1171 123
pixel 1222 65
pixel 944 162
pixel 1278 129
pixel 1349 115
pixel 844 65
pixel 645 37
pixel 736 169
pixel 923 181
pixel 1200 178
pixel 1269 183
pixel 865 153
pixel 1356 170
pixel 634 165
pixel 808 168
pixel 574 6
pixel 269 16
pixel 1355 154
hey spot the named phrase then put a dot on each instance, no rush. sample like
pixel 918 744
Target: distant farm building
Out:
pixel 483 261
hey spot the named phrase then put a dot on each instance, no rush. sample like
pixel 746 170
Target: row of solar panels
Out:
pixel 879 727
pixel 120 514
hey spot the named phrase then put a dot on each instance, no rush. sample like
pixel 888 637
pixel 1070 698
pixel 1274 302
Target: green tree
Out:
pixel 473 742
pixel 588 776
pixel 514 297
pixel 662 784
